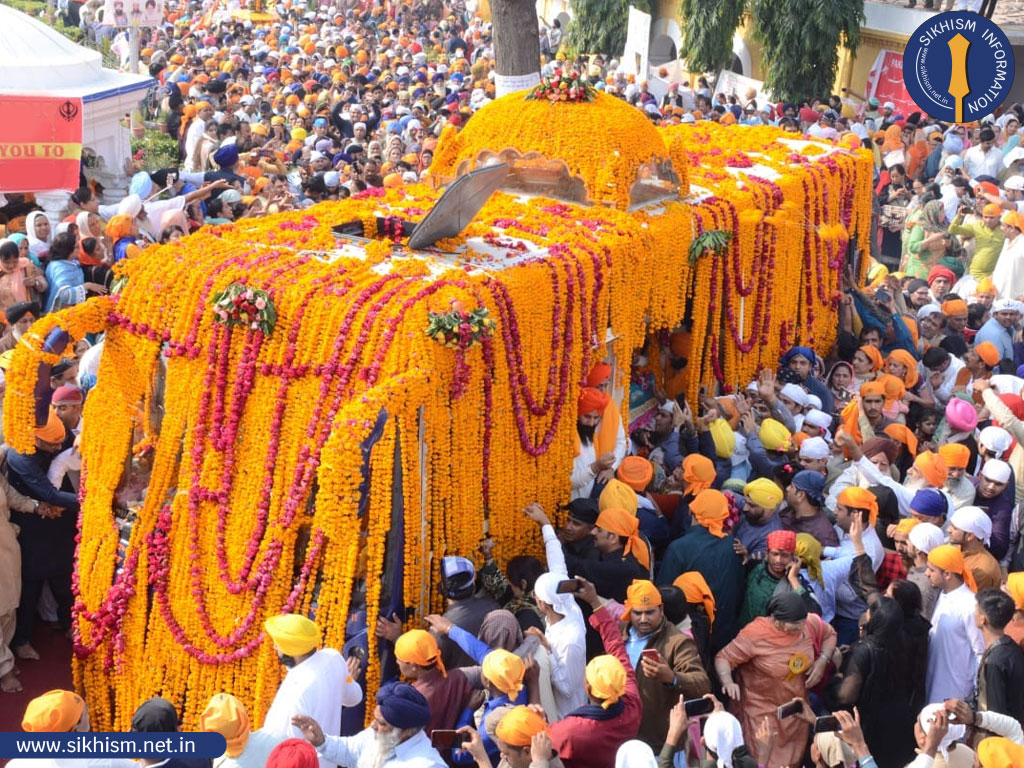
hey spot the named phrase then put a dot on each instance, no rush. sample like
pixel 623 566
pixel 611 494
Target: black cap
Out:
pixel 584 510
pixel 155 715
pixel 17 311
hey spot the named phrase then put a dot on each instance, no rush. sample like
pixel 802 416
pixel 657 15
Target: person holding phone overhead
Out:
pixel 666 661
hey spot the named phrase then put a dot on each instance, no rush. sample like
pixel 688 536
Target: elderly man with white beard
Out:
pixel 395 738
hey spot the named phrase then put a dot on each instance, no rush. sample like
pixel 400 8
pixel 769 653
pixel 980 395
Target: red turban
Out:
pixel 293 753
pixel 785 540
pixel 592 400
pixel 940 271
pixel 599 375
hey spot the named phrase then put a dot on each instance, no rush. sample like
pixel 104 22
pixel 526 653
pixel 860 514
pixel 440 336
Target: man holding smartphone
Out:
pixel 666 661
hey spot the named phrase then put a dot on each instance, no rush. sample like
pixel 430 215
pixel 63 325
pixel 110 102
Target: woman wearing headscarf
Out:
pixel 840 383
pixel 773 657
pixel 37 229
pixel 874 679
pixel 123 232
pixel 20 279
pixel 927 242
pixel 66 281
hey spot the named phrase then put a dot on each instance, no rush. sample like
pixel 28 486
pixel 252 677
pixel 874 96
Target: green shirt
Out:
pixel 988 244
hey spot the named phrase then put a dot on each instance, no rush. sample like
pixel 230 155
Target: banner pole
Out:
pixel 133 50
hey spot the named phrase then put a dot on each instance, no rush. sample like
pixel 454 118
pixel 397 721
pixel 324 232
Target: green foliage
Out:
pixel 801 39
pixel 599 26
pixel 707 32
pixel 714 240
pixel 158 150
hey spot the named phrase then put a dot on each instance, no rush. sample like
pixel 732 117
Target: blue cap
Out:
pixel 812 483
pixel 454 566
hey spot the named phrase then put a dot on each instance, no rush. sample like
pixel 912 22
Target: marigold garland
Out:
pixel 229 531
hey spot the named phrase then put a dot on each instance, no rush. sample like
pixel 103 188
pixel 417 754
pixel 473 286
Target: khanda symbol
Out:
pixel 959 87
pixel 68 110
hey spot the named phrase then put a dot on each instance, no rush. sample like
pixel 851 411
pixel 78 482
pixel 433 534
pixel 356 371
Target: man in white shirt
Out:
pixel 984 158
pixel 226 715
pixel 565 636
pixel 318 684
pixel 395 738
pixel 588 466
pixel 955 643
pixel 194 136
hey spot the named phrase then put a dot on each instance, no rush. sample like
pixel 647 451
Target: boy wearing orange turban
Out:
pixel 446 692
pixel 953 652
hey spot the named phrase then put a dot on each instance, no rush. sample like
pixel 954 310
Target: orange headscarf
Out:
pixel 696 590
pixel 956 455
pixel 873 355
pixel 636 472
pixel 119 226
pixel 948 557
pixel 641 594
pixel 907 360
pixel 860 498
pixel 417 646
pixel 901 433
pixel 698 473
pixel 932 466
pixel 711 509
pixel 624 524
pixel 519 725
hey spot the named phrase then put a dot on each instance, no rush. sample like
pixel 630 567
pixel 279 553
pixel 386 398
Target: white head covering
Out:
pixel 995 439
pixel 795 393
pixel 35 245
pixel 1005 384
pixel 956 730
pixel 1002 305
pixel 546 588
pixel 739 453
pixel 973 520
pixel 131 205
pixel 635 754
pixel 820 419
pixel 926 536
pixel 928 309
pixel 722 734
pixel 82 220
pixel 814 401
pixel 834 751
pixel 814 448
pixel 997 470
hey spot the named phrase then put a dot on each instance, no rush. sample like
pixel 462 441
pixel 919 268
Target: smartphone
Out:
pixel 358 653
pixel 826 724
pixel 698 707
pixel 448 739
pixel 791 709
pixel 568 586
pixel 882 296
pixel 650 654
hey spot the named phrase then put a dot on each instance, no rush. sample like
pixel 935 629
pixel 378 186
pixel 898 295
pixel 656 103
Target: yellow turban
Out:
pixel 299 134
pixel 774 435
pixel 997 752
pixel 53 712
pixel 763 492
pixel 606 678
pixel 808 549
pixel 617 494
pixel 53 431
pixel 625 524
pixel 5 359
pixel 904 525
pixel 641 594
pixel 294 635
pixel 723 437
pixel 985 287
pixel 504 670
pixel 1015 586
pixel 519 725
pixel 417 646
pixel 710 508
pixel 696 590
pixel 860 498
pixel 227 716
pixel 949 558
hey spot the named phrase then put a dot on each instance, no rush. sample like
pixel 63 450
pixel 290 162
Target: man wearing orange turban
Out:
pixel 677 670
pixel 709 550
pixel 988 240
pixel 47 535
pixel 227 716
pixel 447 692
pixel 597 451
pixel 955 643
pixel 56 712
pixel 610 431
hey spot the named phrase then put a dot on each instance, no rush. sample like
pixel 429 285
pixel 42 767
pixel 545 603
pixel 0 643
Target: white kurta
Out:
pixel 1008 275
pixel 582 474
pixel 567 638
pixel 318 687
pixel 955 646
pixel 257 750
pixel 415 752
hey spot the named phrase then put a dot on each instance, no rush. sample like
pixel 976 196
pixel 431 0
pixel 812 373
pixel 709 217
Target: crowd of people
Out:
pixel 824 569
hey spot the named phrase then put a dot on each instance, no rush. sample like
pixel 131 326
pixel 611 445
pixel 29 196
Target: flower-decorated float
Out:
pixel 305 412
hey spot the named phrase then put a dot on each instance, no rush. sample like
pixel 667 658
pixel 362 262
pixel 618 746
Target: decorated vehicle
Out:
pixel 305 412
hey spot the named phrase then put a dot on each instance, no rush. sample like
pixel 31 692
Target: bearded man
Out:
pixel 395 738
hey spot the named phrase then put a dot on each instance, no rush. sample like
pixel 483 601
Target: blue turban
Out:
pixel 226 156
pixel 403 706
pixel 141 185
pixel 812 483
pixel 930 503
pixel 802 351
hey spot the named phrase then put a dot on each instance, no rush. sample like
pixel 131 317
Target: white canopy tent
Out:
pixel 36 59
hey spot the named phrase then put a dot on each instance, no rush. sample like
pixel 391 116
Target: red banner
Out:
pixel 885 83
pixel 40 143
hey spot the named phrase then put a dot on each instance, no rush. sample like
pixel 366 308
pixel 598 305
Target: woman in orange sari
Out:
pixel 777 658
